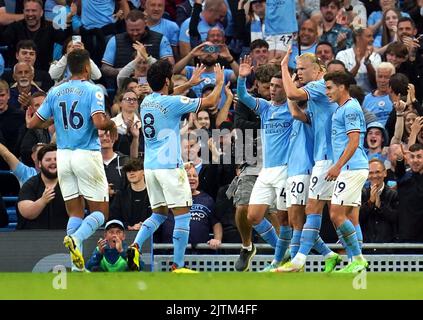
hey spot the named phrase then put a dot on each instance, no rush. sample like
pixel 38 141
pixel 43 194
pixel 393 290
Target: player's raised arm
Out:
pixel 292 92
pixel 212 99
pixel 245 69
pixel 295 110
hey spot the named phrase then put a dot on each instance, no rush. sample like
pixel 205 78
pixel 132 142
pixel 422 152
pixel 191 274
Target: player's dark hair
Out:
pixel 77 60
pixel 415 147
pixel 338 78
pixel 47 148
pixel 398 83
pixel 158 73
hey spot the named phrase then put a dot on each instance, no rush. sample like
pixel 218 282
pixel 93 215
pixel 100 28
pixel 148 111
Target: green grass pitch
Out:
pixel 212 285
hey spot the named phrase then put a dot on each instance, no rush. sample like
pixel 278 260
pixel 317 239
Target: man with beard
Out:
pixel 21 91
pixel 338 36
pixel 208 60
pixel 40 203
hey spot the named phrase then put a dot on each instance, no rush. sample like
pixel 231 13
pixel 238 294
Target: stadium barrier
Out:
pixel 41 250
pixel 315 263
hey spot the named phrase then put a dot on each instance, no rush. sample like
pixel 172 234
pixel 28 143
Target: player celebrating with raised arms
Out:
pixel 319 114
pixel 165 176
pixel 77 108
pixel 276 125
pixel 351 166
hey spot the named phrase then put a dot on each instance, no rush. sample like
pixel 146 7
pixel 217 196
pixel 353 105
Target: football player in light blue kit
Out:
pixel 310 74
pixel 165 176
pixel 77 107
pixel 276 125
pixel 300 165
pixel 280 26
pixel 351 165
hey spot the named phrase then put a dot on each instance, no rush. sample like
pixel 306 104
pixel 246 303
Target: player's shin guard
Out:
pixel 348 232
pixel 282 244
pixel 73 225
pixel 310 233
pixel 180 238
pixel 89 225
pixel 295 242
pixel 267 232
pixel 148 227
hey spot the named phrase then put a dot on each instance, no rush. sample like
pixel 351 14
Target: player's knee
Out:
pixel 254 219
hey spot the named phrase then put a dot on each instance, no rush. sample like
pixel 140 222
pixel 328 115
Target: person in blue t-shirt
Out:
pixel 154 10
pixel 77 109
pixel 165 176
pixel 308 39
pixel 351 166
pixel 379 102
pixel 269 188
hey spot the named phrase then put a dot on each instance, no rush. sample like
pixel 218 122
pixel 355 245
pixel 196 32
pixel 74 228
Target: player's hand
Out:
pixel 245 66
pixel 196 75
pixel 333 173
pixel 214 243
pixel 48 195
pixel 101 245
pixel 285 60
pixel 24 99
